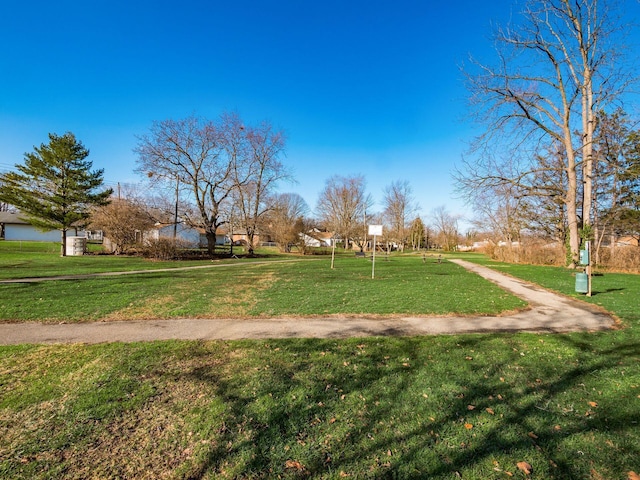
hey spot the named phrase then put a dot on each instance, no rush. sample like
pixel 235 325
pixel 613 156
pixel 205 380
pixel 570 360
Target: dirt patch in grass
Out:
pixel 238 302
pixel 204 300
pixel 150 309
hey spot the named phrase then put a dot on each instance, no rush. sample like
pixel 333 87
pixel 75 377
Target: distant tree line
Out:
pixel 207 174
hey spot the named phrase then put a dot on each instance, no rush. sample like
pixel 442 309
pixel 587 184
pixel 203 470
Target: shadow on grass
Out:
pixel 417 408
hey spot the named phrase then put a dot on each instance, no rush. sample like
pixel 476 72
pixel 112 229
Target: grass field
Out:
pixel 232 289
pixel 467 406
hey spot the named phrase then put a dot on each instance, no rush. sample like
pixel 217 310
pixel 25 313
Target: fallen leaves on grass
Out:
pixel 294 465
pixel 525 467
pixel 468 426
pixel 633 476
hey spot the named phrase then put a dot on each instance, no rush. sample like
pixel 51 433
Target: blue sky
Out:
pixel 359 87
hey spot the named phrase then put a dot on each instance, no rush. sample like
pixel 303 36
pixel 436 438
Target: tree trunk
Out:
pixel 63 243
pixel 211 241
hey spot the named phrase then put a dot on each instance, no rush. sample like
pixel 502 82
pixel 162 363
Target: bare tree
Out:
pixel 256 170
pixel 398 207
pixel 286 210
pixel 342 206
pixel 553 71
pixel 190 151
pixel 446 226
pixel 498 210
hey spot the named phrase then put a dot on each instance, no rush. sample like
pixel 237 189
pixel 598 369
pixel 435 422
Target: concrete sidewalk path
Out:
pixel 548 312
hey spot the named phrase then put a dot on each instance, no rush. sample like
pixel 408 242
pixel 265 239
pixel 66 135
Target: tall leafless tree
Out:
pixel 498 211
pixel 554 70
pixel 446 226
pixel 190 151
pixel 256 173
pixel 343 205
pixel 399 206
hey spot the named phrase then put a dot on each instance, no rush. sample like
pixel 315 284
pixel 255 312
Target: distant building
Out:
pixel 13 227
pixel 316 238
pixel 193 237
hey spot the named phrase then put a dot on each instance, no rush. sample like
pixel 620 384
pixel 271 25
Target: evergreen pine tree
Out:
pixel 55 187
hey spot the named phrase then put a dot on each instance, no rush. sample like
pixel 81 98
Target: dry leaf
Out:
pixel 468 426
pixel 343 474
pixel 490 411
pixel 633 476
pixel 294 464
pixel 525 467
pixel 471 407
pixel 532 435
pixel 593 404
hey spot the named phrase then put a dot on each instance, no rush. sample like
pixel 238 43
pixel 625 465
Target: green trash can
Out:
pixel 582 283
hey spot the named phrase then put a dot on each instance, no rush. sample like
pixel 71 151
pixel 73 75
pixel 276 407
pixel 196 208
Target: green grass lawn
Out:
pixel 442 407
pixel 306 287
pixel 42 259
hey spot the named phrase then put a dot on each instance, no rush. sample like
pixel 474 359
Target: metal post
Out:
pixel 588 248
pixel 373 259
pixel 333 252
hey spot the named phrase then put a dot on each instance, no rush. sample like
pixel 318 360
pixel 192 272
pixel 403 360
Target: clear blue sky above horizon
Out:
pixel 371 88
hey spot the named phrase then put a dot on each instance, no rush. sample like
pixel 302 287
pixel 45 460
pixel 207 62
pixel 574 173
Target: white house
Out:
pixel 316 238
pixel 192 237
pixel 14 227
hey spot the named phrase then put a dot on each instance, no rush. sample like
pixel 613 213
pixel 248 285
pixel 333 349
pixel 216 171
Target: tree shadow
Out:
pixel 340 405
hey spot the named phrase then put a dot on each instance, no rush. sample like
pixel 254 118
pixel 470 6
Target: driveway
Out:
pixel 548 312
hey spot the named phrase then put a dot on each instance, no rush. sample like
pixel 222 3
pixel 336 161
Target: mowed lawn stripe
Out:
pixel 403 285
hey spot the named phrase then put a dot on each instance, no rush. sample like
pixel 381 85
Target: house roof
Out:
pixel 319 235
pixel 12 218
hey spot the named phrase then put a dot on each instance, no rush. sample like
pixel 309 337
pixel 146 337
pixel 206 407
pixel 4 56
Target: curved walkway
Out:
pixel 548 312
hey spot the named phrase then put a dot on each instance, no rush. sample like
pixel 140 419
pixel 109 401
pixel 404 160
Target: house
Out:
pixel 14 227
pixel 193 237
pixel 627 241
pixel 316 238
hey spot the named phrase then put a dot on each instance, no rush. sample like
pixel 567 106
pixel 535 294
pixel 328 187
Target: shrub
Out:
pixel 163 248
pixel 529 251
pixel 623 259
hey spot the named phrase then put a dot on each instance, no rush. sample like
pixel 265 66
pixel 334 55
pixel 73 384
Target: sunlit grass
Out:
pixel 434 407
pixel 464 406
pixel 304 287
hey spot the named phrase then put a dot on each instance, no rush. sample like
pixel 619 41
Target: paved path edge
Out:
pixel 549 312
